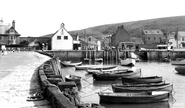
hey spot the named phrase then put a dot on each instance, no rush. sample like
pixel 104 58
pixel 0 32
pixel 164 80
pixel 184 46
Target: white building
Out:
pixel 176 39
pixel 62 40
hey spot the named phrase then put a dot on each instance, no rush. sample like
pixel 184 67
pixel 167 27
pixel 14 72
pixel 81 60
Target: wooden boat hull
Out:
pixel 180 70
pixel 73 78
pixel 93 71
pixel 71 64
pixel 152 79
pixel 116 76
pixel 178 62
pixel 142 88
pixel 131 98
pixel 128 62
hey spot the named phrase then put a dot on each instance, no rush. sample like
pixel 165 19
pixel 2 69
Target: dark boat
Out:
pixel 74 78
pixel 180 69
pixel 115 76
pixel 132 98
pixel 139 88
pixel 150 79
pixel 90 105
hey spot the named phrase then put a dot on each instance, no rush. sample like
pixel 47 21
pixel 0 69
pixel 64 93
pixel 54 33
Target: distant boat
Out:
pixel 180 69
pixel 74 78
pixel 128 62
pixel 150 79
pixel 138 97
pixel 70 64
pixel 142 88
pixel 118 75
pixel 99 59
pixel 83 67
pixel 97 69
pixel 178 61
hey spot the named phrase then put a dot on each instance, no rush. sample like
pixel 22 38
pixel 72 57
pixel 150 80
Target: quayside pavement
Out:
pixel 19 79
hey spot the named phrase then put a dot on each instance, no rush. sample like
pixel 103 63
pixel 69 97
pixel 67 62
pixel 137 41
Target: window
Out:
pixel 182 38
pixel 1 37
pixel 154 38
pixel 65 37
pixel 58 37
pixel 89 39
pixel 148 38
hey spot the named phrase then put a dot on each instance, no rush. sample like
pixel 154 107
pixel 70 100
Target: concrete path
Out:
pixel 18 80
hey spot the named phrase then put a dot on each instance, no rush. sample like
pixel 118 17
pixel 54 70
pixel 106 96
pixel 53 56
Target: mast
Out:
pixel 177 37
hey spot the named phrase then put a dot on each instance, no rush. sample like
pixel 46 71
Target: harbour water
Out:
pixel 90 88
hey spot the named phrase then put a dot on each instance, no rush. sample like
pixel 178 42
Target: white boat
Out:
pixel 71 64
pixel 99 69
pixel 128 62
pixel 179 61
pixel 83 67
pixel 99 59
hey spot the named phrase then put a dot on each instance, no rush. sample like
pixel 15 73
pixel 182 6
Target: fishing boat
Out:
pixel 84 67
pixel 70 64
pixel 99 59
pixel 180 69
pixel 150 79
pixel 74 78
pixel 101 70
pixel 134 98
pixel 178 61
pixel 116 76
pixel 128 62
pixel 139 88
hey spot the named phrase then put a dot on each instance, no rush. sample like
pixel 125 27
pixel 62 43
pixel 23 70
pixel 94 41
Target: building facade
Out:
pixel 61 40
pixel 8 34
pixel 153 36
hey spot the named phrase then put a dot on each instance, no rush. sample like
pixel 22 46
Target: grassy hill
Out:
pixel 166 24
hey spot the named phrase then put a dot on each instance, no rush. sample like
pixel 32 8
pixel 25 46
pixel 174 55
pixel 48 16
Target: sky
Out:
pixel 41 17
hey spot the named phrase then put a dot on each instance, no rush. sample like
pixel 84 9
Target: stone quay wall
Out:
pixel 53 85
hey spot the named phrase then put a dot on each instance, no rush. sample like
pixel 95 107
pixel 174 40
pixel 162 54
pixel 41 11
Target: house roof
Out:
pixel 149 31
pixel 4 27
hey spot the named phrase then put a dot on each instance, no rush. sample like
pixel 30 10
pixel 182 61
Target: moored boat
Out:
pixel 150 79
pixel 128 62
pixel 103 70
pixel 118 75
pixel 83 67
pixel 71 64
pixel 142 88
pixel 180 69
pixel 138 97
pixel 178 61
pixel 74 78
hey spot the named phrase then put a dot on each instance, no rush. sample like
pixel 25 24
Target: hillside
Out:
pixel 166 24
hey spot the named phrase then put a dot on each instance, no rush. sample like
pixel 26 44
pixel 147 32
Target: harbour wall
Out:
pixel 115 55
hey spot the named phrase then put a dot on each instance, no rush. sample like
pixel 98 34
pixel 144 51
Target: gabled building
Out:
pixel 122 40
pixel 61 40
pixel 8 34
pixel 153 36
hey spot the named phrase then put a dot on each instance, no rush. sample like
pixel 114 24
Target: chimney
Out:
pixel 13 24
pixel 62 25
